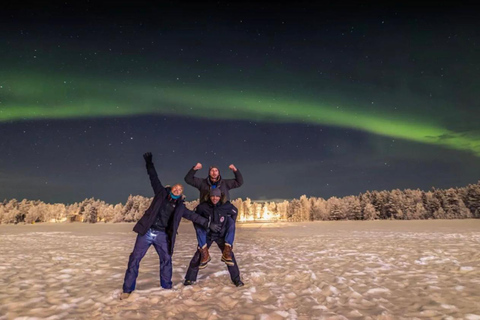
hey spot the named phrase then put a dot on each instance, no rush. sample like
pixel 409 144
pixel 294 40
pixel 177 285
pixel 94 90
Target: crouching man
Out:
pixel 218 213
pixel 158 227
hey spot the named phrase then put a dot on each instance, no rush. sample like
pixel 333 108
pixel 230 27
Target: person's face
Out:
pixel 214 173
pixel 214 199
pixel 177 189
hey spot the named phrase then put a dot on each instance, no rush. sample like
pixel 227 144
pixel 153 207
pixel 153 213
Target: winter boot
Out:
pixel 188 282
pixel 204 257
pixel 238 283
pixel 125 295
pixel 227 255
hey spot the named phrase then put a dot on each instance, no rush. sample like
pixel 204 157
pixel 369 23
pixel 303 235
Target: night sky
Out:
pixel 322 100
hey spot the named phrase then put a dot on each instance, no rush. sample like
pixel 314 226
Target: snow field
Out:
pixel 318 270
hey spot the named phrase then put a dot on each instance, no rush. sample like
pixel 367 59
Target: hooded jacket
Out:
pixel 161 195
pixel 204 185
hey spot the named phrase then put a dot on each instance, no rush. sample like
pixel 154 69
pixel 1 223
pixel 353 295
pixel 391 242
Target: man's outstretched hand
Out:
pixel 198 166
pixel 148 158
pixel 232 167
pixel 215 227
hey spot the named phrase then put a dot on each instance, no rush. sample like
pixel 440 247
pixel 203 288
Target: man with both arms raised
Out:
pixel 214 205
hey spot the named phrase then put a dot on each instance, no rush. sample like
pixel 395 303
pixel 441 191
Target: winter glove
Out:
pixel 215 227
pixel 148 158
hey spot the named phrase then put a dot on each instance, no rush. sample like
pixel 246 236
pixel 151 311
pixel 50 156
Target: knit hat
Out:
pixel 215 192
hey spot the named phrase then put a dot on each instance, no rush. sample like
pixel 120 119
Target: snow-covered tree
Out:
pixel 336 210
pixel 369 212
pixel 90 213
pixel 431 204
pixel 257 210
pixel 118 210
pixel 319 209
pixel 420 211
pixel 34 214
pixel 454 206
pixel 306 208
pixel 247 209
pixel 3 213
pixel 106 213
pixel 472 199
pixel 282 209
pixel 352 210
pixel 11 213
pixel 294 210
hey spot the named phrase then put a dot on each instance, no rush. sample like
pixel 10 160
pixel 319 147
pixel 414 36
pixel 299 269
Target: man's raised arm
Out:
pixel 191 179
pixel 237 182
pixel 152 173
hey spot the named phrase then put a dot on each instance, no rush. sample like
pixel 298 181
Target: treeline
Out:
pixel 89 210
pixel 453 203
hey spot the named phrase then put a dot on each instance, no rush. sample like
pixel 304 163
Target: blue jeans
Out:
pixel 159 240
pixel 228 230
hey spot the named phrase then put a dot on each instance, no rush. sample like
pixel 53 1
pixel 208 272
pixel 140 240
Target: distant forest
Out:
pixel 453 203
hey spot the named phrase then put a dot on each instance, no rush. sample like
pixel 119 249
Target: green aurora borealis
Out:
pixel 51 97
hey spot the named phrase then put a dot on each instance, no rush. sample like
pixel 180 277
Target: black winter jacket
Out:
pixel 161 194
pixel 204 184
pixel 217 213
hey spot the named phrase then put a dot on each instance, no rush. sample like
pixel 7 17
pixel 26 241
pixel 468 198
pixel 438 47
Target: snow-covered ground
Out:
pixel 317 270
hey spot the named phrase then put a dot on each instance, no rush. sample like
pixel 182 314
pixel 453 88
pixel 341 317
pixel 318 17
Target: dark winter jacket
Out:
pixel 217 213
pixel 204 185
pixel 161 195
